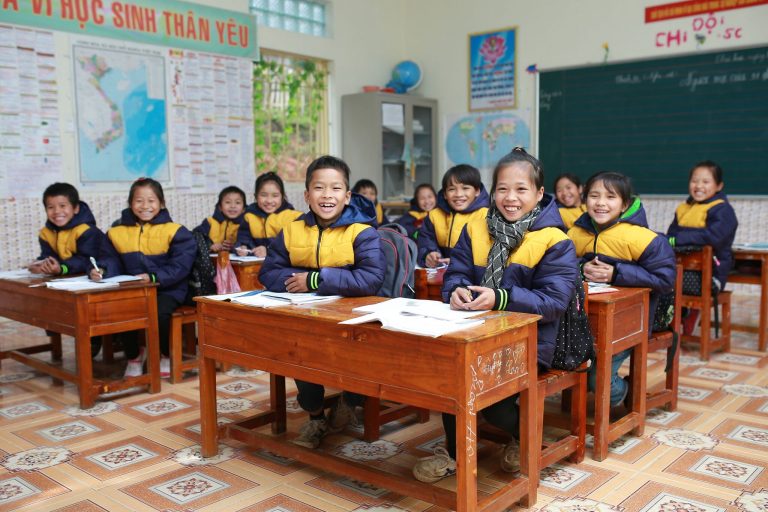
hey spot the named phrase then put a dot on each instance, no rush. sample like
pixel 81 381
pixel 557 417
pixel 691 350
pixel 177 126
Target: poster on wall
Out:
pixel 482 139
pixel 120 105
pixel 492 78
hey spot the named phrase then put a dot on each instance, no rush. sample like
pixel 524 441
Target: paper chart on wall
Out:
pixel 30 152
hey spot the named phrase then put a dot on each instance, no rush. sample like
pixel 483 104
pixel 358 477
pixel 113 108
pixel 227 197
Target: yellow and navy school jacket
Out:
pixel 161 248
pixel 73 244
pixel 442 226
pixel 539 277
pixel 640 257
pixel 711 222
pixel 260 228
pixel 413 219
pixel 570 214
pixel 218 227
pixel 343 259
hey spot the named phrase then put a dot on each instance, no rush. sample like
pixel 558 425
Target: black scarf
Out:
pixel 506 237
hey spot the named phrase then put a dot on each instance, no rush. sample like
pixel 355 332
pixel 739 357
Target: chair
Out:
pixel 667 396
pixel 702 261
pixel 183 323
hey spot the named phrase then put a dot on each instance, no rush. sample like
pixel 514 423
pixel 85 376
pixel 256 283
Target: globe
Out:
pixel 406 76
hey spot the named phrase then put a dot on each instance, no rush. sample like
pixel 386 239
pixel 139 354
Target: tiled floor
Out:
pixel 139 452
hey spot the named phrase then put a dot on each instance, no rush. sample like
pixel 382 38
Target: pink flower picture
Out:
pixel 493 48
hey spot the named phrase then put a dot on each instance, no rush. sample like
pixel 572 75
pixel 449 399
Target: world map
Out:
pixel 482 139
pixel 121 120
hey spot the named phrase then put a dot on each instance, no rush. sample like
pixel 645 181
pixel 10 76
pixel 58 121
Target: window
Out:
pixel 290 112
pixel 303 16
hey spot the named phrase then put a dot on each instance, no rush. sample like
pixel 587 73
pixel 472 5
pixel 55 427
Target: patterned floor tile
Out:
pixel 191 429
pixel 23 410
pixel 699 395
pixel 657 497
pixel 271 461
pixel 158 408
pixel 189 488
pixel 721 468
pixel 710 374
pixel 669 419
pixel 121 457
pixel 353 490
pixel 280 503
pixel 67 432
pixel 756 406
pixel 82 506
pixel 568 480
pixel 21 489
pixel 743 433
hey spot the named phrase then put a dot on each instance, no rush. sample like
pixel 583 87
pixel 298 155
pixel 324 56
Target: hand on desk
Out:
pixel 47 266
pixel 297 283
pixel 462 298
pixel 226 245
pixel 597 271
pixel 435 259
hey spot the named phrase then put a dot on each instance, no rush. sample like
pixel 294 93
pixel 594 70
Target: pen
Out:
pixel 93 262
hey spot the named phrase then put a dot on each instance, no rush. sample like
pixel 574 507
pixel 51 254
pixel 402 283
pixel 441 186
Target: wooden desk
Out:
pixel 83 314
pixel 619 320
pixel 761 256
pixel 247 273
pixel 459 373
pixel 428 285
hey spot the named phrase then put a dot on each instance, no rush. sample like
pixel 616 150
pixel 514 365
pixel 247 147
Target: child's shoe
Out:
pixel 311 433
pixel 342 414
pixel 435 467
pixel 135 367
pixel 510 459
pixel 165 367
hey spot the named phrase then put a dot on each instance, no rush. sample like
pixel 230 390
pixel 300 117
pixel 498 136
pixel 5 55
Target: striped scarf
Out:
pixel 506 237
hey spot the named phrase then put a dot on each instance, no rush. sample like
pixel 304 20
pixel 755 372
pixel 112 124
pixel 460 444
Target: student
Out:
pixel 222 227
pixel 368 190
pixel 615 245
pixel 266 217
pixel 148 244
pixel 70 236
pixel 332 250
pixel 568 192
pixel 517 258
pixel 461 200
pixel 706 218
pixel 424 201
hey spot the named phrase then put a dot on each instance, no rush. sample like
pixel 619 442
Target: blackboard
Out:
pixel 654 119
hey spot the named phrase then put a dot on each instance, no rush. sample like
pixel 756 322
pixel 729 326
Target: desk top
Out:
pixel 618 296
pixel 337 310
pixel 38 284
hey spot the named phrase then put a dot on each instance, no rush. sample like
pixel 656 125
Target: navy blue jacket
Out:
pixel 73 244
pixel 539 277
pixel 712 222
pixel 413 219
pixel 343 259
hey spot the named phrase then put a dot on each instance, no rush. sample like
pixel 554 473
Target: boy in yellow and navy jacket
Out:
pixel 461 200
pixel 368 190
pixel 332 250
pixel 70 236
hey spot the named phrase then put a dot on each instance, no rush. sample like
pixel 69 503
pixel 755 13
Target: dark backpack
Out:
pixel 400 254
pixel 201 279
pixel 574 342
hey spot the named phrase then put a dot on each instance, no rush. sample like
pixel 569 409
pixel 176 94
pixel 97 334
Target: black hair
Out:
pixel 614 182
pixel 266 178
pixel 62 189
pixel 423 186
pixel 365 183
pixel 155 185
pixel 327 162
pixel 516 156
pixel 463 173
pixel 231 190
pixel 567 176
pixel 716 170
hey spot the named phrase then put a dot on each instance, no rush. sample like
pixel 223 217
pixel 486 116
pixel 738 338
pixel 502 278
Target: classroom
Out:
pixel 187 103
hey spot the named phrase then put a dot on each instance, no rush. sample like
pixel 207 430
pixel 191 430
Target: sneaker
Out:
pixel 510 458
pixel 690 322
pixel 435 467
pixel 95 346
pixel 342 414
pixel 311 433
pixel 135 367
pixel 165 367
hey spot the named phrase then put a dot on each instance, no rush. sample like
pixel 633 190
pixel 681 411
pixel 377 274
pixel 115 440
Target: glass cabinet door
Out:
pixel 393 144
pixel 422 154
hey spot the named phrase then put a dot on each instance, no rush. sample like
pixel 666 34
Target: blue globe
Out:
pixel 406 76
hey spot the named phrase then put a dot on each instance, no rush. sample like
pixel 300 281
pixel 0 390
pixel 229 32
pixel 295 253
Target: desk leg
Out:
pixel 153 342
pixel 466 459
pixel 277 402
pixel 83 357
pixel 55 340
pixel 208 425
pixel 530 442
pixel 602 399
pixel 638 373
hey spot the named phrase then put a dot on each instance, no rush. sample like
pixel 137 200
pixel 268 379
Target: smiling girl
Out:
pixel 568 191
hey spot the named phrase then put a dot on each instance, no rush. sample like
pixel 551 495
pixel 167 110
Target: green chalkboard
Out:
pixel 654 119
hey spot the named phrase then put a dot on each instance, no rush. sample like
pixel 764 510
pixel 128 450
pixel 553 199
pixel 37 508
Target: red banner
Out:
pixel 694 7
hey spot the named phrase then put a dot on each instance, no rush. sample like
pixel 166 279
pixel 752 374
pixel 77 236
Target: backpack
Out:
pixel 400 253
pixel 201 279
pixel 574 341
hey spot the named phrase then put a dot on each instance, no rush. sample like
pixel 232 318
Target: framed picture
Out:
pixel 492 77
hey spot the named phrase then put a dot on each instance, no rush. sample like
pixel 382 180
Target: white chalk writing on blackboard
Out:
pixel 545 98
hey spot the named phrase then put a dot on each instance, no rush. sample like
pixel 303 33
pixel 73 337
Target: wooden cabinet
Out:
pixel 390 139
